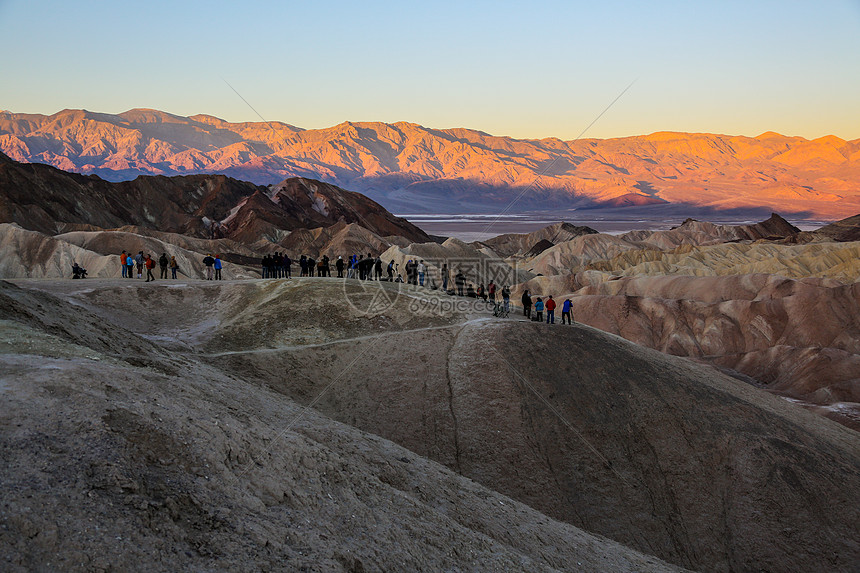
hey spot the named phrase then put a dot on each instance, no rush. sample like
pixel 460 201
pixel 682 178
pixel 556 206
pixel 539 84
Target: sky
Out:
pixel 547 69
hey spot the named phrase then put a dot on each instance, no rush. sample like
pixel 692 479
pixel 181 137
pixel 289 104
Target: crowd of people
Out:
pixel 279 265
pixel 549 305
pixel 136 265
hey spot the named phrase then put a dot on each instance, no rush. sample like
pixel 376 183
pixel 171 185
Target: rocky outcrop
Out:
pixel 523 243
pixel 339 239
pixel 844 230
pixel 336 204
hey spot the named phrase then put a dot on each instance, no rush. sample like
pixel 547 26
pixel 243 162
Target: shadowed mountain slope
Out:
pixel 44 199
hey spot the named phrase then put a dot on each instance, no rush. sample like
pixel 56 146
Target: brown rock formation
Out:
pixel 45 199
pixel 798 338
pixel 521 243
pixel 844 230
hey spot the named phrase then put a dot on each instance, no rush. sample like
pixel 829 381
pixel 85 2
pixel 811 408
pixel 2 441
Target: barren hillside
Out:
pixel 668 457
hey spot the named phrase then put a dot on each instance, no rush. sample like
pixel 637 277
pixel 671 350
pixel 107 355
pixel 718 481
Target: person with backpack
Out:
pixel 527 304
pixel 217 265
pixel 208 261
pixel 539 309
pixel 149 263
pixel 506 298
pixel 550 310
pixel 162 264
pixel 565 311
pixel 391 271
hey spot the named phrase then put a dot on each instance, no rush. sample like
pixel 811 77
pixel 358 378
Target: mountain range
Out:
pixel 412 168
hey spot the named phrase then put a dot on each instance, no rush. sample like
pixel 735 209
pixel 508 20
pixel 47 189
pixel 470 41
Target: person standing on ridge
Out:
pixel 445 277
pixel 138 260
pixel 174 266
pixel 339 266
pixel 527 304
pixel 565 311
pixel 122 261
pixel 539 309
pixel 506 298
pixel 149 263
pixel 208 261
pixel 491 291
pixel 217 264
pixel 550 310
pixel 129 265
pixel 421 271
pixel 162 264
pixel 460 282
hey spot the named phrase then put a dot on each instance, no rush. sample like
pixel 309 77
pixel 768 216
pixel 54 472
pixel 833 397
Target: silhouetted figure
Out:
pixel 527 304
pixel 162 264
pixel 78 272
pixel 460 282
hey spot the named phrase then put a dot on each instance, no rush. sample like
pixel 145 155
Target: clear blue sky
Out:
pixel 507 68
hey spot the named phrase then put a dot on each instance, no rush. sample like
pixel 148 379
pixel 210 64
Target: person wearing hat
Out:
pixel 208 261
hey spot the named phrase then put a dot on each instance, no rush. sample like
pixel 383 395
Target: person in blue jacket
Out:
pixel 565 311
pixel 217 266
pixel 539 309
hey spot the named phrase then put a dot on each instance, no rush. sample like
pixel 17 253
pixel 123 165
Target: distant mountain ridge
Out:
pixel 405 165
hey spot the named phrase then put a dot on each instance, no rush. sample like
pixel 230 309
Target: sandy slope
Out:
pixel 666 456
pixel 120 454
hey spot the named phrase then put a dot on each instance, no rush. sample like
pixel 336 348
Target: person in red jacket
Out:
pixel 149 263
pixel 550 310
